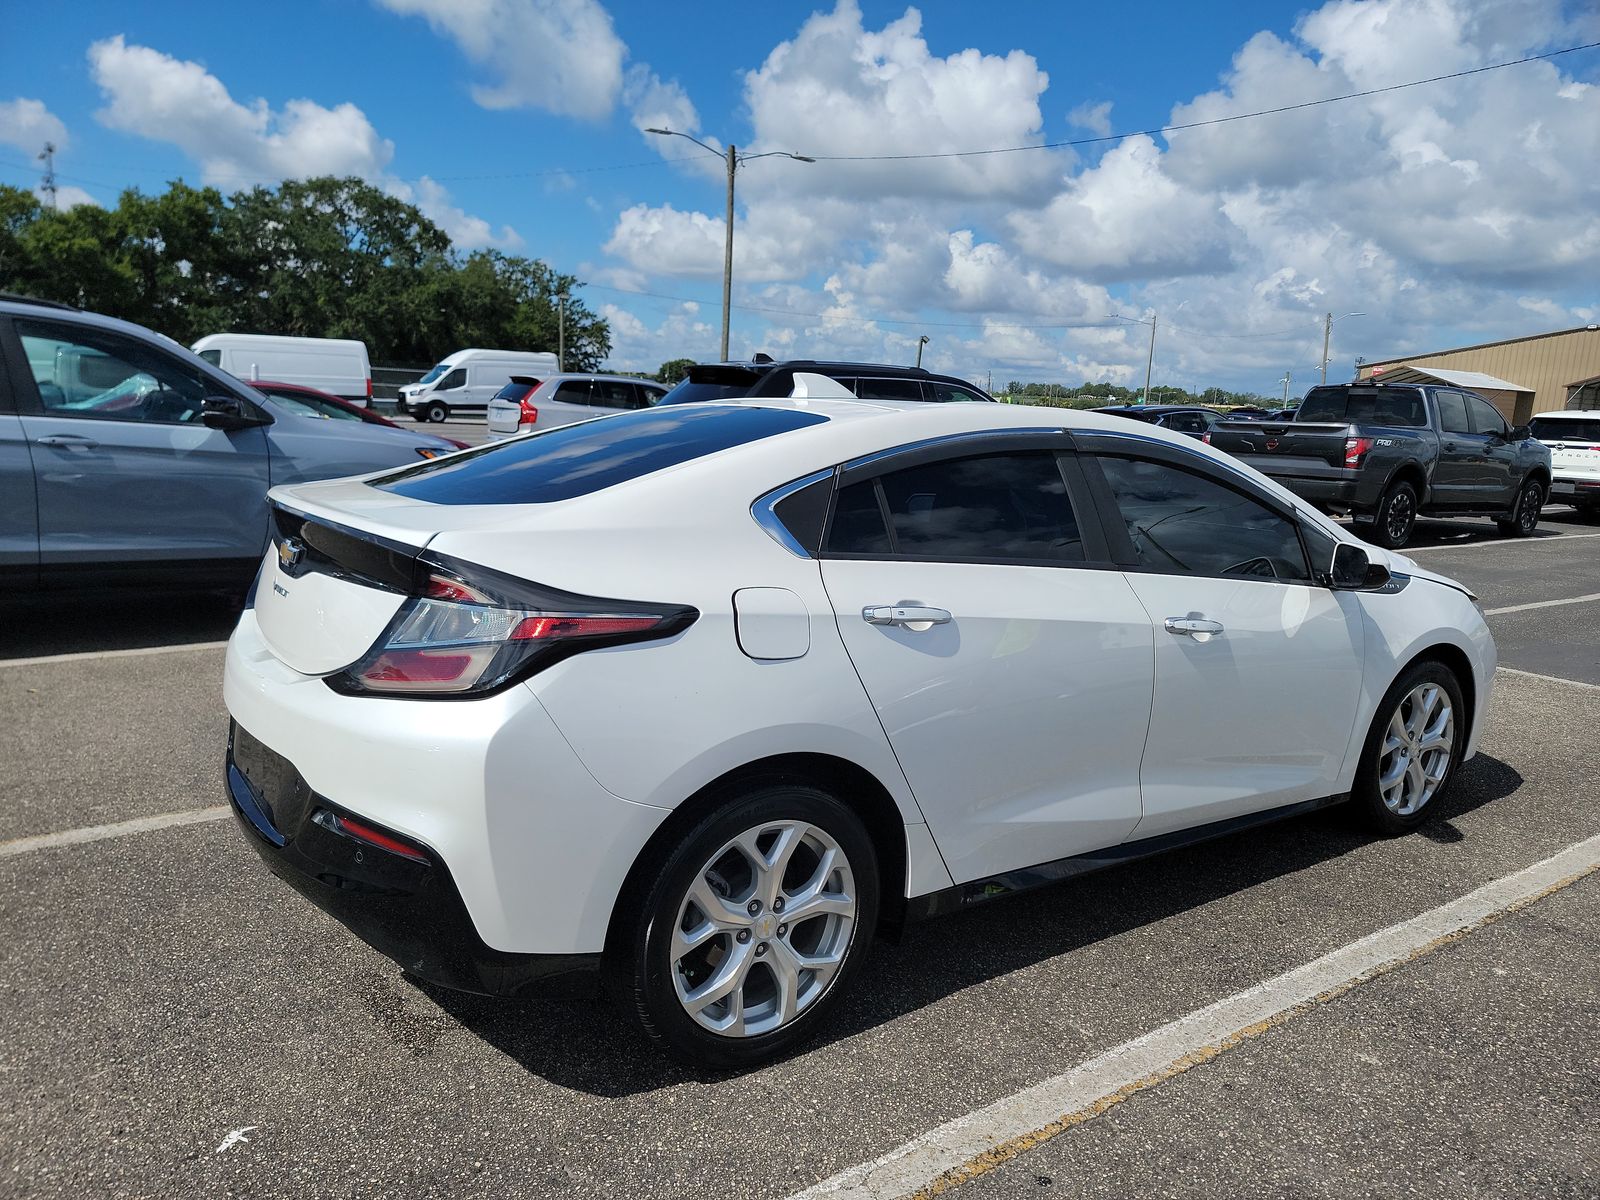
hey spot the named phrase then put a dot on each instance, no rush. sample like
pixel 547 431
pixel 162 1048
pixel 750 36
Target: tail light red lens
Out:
pixel 369 389
pixel 468 631
pixel 362 832
pixel 529 413
pixel 1355 450
pixel 1206 437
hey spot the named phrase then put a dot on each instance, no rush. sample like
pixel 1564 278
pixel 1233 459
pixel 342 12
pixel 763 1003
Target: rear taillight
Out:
pixel 369 391
pixel 362 832
pixel 1206 437
pixel 467 631
pixel 1355 450
pixel 529 413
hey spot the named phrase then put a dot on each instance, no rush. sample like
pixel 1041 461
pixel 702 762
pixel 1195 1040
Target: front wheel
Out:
pixel 1397 513
pixel 752 927
pixel 1524 518
pixel 1412 749
pixel 435 413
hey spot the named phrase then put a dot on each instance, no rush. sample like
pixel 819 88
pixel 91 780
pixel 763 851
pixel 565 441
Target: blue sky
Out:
pixel 1458 212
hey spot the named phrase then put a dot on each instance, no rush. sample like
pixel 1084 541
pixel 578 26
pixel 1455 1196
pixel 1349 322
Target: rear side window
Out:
pixel 1398 407
pixel 1182 522
pixel 575 460
pixel 1452 412
pixel 988 507
pixel 946 393
pixel 887 389
pixel 572 391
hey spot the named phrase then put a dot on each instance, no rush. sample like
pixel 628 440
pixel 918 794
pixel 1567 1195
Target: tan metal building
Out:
pixel 1538 370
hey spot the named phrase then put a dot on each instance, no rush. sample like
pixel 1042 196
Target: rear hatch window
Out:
pixel 712 382
pixel 516 391
pixel 1560 430
pixel 1401 407
pixel 575 460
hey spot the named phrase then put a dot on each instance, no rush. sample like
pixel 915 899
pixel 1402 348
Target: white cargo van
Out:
pixel 467 380
pixel 337 366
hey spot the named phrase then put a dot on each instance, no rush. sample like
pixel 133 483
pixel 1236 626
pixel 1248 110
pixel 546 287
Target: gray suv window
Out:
pixel 885 389
pixel 1452 412
pixel 1486 417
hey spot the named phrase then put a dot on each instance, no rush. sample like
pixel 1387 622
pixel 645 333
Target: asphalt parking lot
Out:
pixel 178 1022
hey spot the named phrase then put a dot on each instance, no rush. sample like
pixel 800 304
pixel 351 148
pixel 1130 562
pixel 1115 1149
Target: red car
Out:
pixel 322 404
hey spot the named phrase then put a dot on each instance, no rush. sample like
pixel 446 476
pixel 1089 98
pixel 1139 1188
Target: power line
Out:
pixel 1264 112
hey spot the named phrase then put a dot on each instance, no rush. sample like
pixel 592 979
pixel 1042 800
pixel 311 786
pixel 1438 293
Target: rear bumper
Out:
pixel 524 838
pixel 410 911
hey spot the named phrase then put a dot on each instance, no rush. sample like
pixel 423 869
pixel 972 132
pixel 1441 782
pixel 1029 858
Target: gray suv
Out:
pixel 126 458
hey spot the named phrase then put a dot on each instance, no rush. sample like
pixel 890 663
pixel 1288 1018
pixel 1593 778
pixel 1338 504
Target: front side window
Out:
pixel 86 372
pixel 988 507
pixel 1179 521
pixel 456 379
pixel 947 393
pixel 1485 417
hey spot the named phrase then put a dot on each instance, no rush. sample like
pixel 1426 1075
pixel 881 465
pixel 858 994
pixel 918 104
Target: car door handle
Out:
pixel 69 440
pixel 1198 628
pixel 911 616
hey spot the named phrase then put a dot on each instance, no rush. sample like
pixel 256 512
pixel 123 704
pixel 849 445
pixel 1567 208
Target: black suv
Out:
pixel 763 376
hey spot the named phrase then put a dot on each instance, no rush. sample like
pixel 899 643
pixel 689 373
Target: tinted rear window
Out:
pixel 574 460
pixel 1582 430
pixel 515 391
pixel 1400 407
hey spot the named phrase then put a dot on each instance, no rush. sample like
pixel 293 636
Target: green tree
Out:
pixel 673 370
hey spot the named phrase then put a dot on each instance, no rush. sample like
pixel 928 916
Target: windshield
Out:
pixel 435 373
pixel 1548 429
pixel 1400 407
pixel 310 406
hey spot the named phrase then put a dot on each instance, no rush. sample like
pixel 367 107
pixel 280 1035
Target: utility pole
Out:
pixel 734 160
pixel 47 185
pixel 921 342
pixel 1327 334
pixel 561 332
pixel 727 254
pixel 1287 376
pixel 1150 362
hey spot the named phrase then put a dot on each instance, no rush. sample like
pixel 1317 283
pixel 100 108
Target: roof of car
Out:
pixel 1567 414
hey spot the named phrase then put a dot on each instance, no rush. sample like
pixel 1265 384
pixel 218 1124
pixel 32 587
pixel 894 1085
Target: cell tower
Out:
pixel 47 185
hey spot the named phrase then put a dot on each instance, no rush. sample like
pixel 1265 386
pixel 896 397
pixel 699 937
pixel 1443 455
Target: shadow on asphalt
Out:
pixel 602 1053
pixel 113 619
pixel 1429 532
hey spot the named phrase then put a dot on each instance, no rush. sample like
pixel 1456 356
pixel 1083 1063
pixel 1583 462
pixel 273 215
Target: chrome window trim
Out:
pixel 762 510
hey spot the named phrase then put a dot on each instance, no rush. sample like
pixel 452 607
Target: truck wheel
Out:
pixel 1397 513
pixel 1524 518
pixel 435 412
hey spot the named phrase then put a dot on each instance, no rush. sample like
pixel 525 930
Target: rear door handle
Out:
pixel 1200 629
pixel 912 616
pixel 69 440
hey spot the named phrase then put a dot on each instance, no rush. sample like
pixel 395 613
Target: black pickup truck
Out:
pixel 1385 453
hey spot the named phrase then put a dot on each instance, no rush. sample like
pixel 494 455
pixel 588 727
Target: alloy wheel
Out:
pixel 763 929
pixel 1528 508
pixel 1417 746
pixel 1397 521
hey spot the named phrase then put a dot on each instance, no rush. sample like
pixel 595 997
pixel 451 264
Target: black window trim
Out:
pixel 1151 450
pixel 981 444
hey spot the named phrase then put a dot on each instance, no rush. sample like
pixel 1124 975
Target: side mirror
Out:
pixel 228 414
pixel 1353 571
pixel 1520 433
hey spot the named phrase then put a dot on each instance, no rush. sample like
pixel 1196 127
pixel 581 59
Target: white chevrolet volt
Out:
pixel 692 702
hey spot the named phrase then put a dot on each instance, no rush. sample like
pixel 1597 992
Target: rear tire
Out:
pixel 722 986
pixel 1396 517
pixel 1524 518
pixel 1412 750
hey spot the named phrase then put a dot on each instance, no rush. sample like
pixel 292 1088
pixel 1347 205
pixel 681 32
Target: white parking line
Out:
pixel 1593 687
pixel 969 1146
pixel 99 833
pixel 1511 608
pixel 85 654
pixel 1544 541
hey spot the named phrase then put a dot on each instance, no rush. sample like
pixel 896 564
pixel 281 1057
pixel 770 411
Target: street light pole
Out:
pixel 734 160
pixel 1151 361
pixel 921 342
pixel 1287 376
pixel 561 332
pixel 1327 336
